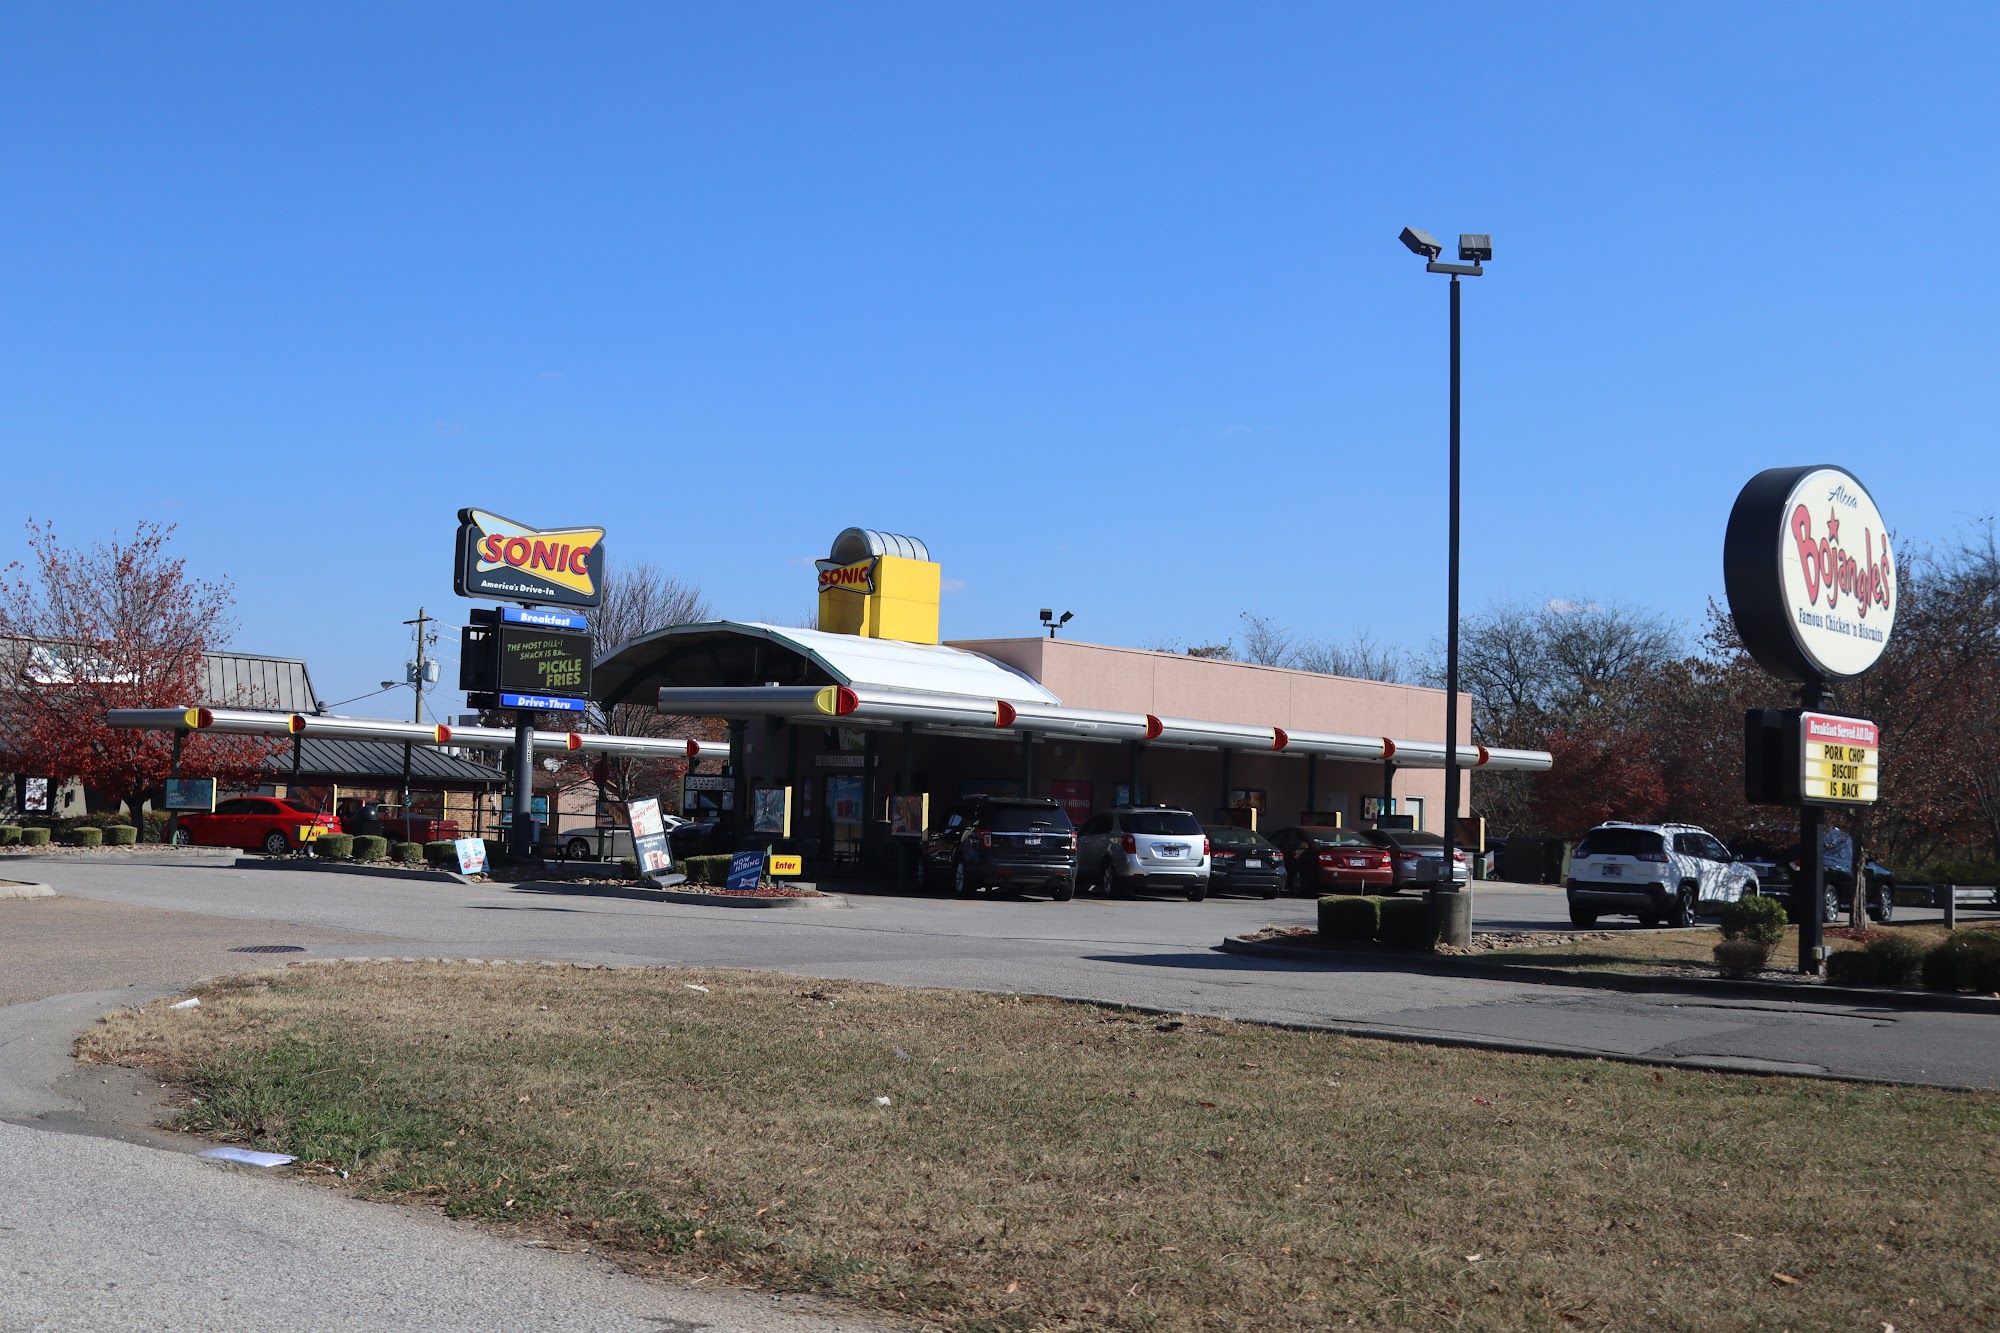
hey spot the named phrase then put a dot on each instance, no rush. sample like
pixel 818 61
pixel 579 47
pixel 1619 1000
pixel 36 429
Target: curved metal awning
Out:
pixel 316 726
pixel 727 653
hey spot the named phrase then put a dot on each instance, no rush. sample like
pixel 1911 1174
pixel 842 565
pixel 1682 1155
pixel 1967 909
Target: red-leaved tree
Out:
pixel 118 624
pixel 1597 775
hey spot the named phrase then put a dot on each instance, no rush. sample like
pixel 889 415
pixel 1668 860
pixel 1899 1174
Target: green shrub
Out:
pixel 84 836
pixel 628 866
pixel 407 851
pixel 34 837
pixel 708 870
pixel 496 852
pixel 334 846
pixel 10 835
pixel 1406 923
pixel 121 835
pixel 370 847
pixel 1969 960
pixel 1346 917
pixel 1756 918
pixel 1739 958
pixel 1898 958
pixel 441 853
pixel 1969 870
pixel 1852 967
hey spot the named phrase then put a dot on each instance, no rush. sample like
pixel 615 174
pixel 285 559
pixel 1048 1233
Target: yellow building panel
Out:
pixel 898 599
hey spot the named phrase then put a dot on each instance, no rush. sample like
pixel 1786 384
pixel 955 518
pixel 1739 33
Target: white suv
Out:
pixel 1656 872
pixel 1143 847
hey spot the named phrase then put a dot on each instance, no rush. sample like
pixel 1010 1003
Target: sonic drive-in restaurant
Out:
pixel 873 724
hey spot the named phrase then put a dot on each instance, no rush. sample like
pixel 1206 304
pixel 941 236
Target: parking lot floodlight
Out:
pixel 391 684
pixel 1421 243
pixel 1475 247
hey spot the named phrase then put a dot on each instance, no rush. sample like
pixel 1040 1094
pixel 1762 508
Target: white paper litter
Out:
pixel 881 1101
pixel 247 1157
pixel 192 1002
pixel 689 985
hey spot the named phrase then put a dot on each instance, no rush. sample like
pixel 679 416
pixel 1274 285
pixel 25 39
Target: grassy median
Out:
pixel 1688 951
pixel 1047 1165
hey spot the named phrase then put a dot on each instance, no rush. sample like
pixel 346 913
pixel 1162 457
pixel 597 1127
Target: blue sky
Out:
pixel 1103 301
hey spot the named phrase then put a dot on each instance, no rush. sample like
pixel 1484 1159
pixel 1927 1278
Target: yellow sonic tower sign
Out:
pixel 881 586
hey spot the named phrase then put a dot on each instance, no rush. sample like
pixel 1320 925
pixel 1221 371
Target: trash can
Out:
pixel 366 821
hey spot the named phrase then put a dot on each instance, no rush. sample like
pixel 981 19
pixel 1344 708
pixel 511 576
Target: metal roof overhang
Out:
pixel 1000 719
pixel 248 722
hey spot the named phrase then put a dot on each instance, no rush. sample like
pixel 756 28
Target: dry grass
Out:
pixel 1684 951
pixel 1045 1165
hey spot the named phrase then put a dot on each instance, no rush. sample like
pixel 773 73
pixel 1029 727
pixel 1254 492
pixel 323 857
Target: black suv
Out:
pixel 988 842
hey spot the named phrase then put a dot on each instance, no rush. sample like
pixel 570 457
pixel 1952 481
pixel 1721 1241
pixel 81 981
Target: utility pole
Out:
pixel 422 622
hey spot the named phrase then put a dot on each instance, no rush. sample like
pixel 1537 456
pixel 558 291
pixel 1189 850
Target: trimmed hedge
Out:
pixel 334 846
pixel 441 854
pixel 407 851
pixel 10 835
pixel 1899 960
pixel 496 852
pixel 712 871
pixel 370 847
pixel 1348 917
pixel 1741 959
pixel 628 866
pixel 34 837
pixel 1852 967
pixel 1757 919
pixel 121 835
pixel 83 836
pixel 1969 960
pixel 1406 923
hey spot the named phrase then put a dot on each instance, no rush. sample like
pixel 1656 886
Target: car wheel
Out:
pixel 1198 892
pixel 1293 882
pixel 1882 907
pixel 1271 892
pixel 1107 883
pixel 576 849
pixel 276 844
pixel 1684 905
pixel 182 838
pixel 960 885
pixel 1582 916
pixel 1832 912
pixel 1065 888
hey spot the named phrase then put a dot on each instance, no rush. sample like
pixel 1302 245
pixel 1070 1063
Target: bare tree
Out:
pixel 1529 668
pixel 1360 658
pixel 1265 641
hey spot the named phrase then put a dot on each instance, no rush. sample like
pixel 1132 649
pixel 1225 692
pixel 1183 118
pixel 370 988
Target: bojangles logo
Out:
pixel 560 556
pixel 1829 566
pixel 857 577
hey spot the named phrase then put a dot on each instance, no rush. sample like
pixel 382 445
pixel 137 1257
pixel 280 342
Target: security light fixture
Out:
pixel 1053 622
pixel 1421 243
pixel 1474 247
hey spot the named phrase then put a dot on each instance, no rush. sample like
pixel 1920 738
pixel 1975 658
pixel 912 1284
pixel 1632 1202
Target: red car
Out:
pixel 1334 860
pixel 254 823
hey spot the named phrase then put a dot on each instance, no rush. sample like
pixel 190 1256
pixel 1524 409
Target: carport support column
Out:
pixel 521 836
pixel 173 816
pixel 1137 748
pixel 904 778
pixel 1027 763
pixel 1312 784
pixel 739 780
pixel 1388 789
pixel 1228 775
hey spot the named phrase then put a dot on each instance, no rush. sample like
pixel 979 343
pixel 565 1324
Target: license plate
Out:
pixel 1357 861
pixel 1032 842
pixel 1170 849
pixel 1612 872
pixel 1253 865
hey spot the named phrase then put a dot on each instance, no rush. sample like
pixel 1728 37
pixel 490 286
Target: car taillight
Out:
pixel 1660 857
pixel 986 840
pixel 1278 858
pixel 1130 844
pixel 1409 856
pixel 1072 840
pixel 1458 856
pixel 1326 858
pixel 1204 846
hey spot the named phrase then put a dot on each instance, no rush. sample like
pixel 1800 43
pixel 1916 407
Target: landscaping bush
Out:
pixel 496 852
pixel 334 846
pixel 1406 923
pixel 628 866
pixel 84 836
pixel 441 854
pixel 709 870
pixel 1969 960
pixel 1972 870
pixel 34 837
pixel 1346 917
pixel 370 847
pixel 121 835
pixel 10 835
pixel 1898 958
pixel 1758 919
pixel 1853 967
pixel 1740 958
pixel 408 851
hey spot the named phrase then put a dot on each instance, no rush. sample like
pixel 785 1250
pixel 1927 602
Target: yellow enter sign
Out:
pixel 788 865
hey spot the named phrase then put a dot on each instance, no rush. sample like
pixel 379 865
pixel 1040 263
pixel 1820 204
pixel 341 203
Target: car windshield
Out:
pixel 1227 835
pixel 1619 842
pixel 1157 822
pixel 1028 819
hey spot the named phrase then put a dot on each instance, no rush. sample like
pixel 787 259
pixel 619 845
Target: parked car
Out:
pixel 992 842
pixel 254 823
pixel 1779 874
pixel 705 837
pixel 1416 859
pixel 1656 872
pixel 1144 847
pixel 384 820
pixel 1241 860
pixel 1334 860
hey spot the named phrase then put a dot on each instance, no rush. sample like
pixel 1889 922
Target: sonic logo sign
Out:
pixel 1810 574
pixel 858 577
pixel 500 558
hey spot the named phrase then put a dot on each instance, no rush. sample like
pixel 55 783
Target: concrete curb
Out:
pixel 825 900
pixel 311 865
pixel 1865 996
pixel 649 894
pixel 22 889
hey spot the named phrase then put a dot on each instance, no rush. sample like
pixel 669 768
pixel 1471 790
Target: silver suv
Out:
pixel 1143 847
pixel 1656 872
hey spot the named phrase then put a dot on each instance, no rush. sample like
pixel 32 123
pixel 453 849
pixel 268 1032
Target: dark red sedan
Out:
pixel 1333 860
pixel 255 823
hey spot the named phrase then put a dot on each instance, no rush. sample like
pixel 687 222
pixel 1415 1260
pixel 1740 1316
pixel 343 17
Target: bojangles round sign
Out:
pixel 1810 576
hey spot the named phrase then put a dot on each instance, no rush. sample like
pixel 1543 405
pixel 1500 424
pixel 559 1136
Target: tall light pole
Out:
pixel 1451 907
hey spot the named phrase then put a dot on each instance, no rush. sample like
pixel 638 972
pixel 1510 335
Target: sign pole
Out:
pixel 521 838
pixel 1812 868
pixel 173 817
